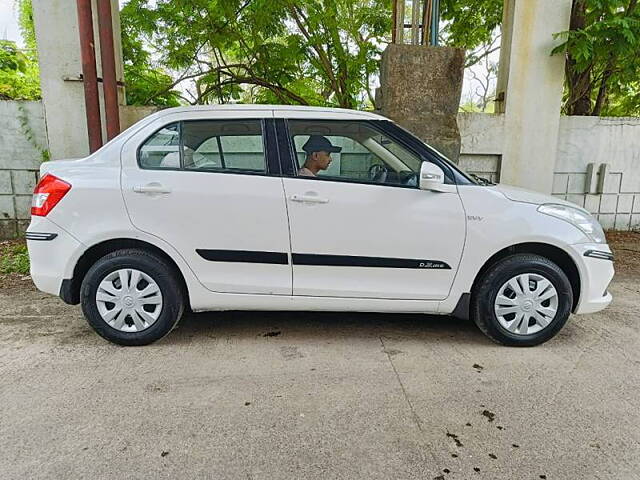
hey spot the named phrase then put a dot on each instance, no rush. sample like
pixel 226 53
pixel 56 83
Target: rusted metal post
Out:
pixel 107 56
pixel 426 22
pixel 89 74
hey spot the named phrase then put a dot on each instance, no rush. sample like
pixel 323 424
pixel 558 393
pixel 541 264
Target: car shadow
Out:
pixel 324 326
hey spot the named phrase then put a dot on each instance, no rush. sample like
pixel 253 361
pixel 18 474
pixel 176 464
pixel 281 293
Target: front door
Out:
pixel 205 187
pixel 359 225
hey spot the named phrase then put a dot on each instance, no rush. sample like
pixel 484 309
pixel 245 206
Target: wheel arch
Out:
pixel 70 290
pixel 556 254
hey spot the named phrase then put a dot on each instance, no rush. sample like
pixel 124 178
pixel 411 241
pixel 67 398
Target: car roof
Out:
pixel 279 111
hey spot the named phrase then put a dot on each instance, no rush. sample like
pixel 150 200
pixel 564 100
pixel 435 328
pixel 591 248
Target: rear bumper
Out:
pixel 50 250
pixel 596 273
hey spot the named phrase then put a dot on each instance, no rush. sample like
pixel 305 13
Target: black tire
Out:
pixel 487 289
pixel 150 264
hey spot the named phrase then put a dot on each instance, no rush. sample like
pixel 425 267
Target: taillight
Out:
pixel 47 194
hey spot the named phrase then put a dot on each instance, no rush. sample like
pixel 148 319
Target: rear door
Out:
pixel 211 188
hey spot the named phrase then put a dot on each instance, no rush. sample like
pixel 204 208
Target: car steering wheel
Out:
pixel 378 173
pixel 409 178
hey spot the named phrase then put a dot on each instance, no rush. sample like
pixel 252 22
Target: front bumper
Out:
pixel 595 265
pixel 50 250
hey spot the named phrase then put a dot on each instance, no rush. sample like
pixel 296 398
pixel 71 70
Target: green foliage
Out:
pixel 19 72
pixel 603 58
pixel 146 83
pixel 317 52
pixel 470 23
pixel 25 21
pixel 149 86
pixel 14 259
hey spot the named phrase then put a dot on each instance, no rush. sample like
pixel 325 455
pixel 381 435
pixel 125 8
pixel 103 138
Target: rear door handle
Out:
pixel 151 188
pixel 308 199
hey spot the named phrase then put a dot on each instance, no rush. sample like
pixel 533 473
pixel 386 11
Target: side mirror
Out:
pixel 432 178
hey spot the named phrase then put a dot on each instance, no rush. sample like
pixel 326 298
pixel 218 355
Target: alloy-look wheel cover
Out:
pixel 526 304
pixel 129 300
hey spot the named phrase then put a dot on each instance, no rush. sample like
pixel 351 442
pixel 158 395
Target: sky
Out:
pixel 9 22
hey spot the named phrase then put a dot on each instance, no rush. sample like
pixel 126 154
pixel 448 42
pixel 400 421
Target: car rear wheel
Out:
pixel 522 300
pixel 131 297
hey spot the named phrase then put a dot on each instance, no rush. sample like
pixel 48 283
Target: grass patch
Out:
pixel 14 257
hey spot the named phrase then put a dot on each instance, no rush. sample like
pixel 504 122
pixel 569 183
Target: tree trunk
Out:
pixel 602 91
pixel 578 83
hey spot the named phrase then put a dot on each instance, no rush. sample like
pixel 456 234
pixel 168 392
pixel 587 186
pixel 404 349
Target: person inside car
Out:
pixel 318 150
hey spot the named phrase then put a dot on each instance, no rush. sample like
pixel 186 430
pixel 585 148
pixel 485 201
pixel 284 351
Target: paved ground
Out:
pixel 287 395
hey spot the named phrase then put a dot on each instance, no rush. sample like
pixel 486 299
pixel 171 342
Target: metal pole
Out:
pixel 426 22
pixel 400 21
pixel 89 74
pixel 435 22
pixel 109 82
pixel 415 21
pixel 394 14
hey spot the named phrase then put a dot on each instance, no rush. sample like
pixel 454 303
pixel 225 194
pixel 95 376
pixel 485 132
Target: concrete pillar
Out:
pixel 530 85
pixel 57 37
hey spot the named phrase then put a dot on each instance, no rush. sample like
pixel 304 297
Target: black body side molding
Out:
pixel 244 256
pixel 357 261
pixel 281 258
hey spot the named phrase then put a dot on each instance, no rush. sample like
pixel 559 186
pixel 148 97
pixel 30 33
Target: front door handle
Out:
pixel 307 198
pixel 151 188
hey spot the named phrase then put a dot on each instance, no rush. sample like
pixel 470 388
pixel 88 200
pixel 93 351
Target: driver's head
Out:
pixel 319 150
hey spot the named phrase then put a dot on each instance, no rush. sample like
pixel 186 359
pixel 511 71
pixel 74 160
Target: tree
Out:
pixel 18 73
pixel 318 52
pixel 602 48
pixel 146 84
pixel 473 25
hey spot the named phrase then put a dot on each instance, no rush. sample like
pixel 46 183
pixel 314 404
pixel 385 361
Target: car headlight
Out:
pixel 574 216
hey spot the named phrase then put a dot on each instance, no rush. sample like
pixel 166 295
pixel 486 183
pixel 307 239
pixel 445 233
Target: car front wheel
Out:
pixel 131 297
pixel 522 300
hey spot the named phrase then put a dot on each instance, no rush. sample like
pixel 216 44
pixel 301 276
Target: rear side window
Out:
pixel 223 145
pixel 162 149
pixel 207 145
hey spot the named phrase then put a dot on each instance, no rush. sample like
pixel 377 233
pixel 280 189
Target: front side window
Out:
pixel 351 151
pixel 207 145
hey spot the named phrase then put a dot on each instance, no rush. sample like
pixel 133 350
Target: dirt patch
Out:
pixel 626 249
pixel 16 282
pixel 10 244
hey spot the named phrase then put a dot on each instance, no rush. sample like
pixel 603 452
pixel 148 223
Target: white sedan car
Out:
pixel 300 208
